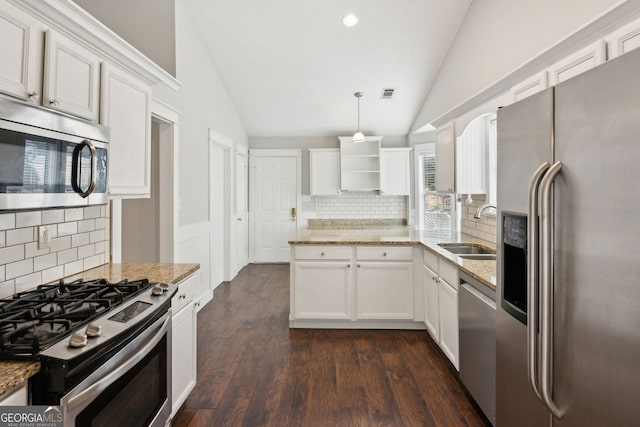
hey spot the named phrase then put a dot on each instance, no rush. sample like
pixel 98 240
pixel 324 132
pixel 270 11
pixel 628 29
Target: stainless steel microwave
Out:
pixel 49 159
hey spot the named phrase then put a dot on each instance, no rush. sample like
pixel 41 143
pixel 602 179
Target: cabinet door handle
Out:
pixel 54 103
pixel 358 265
pixel 384 254
pixel 348 265
pixel 321 253
pixel 33 96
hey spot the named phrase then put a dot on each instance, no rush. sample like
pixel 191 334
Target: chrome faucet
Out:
pixel 478 213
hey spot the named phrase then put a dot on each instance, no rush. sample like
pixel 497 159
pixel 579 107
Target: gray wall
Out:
pixel 149 26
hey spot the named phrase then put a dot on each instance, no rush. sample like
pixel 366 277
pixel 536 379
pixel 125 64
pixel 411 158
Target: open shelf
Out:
pixel 360 164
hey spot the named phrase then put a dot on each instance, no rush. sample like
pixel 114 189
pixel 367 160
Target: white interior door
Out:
pixel 274 204
pixel 242 224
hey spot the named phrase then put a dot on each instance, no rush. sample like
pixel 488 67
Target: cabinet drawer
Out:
pixel 430 260
pixel 381 253
pixel 185 294
pixel 323 252
pixel 449 274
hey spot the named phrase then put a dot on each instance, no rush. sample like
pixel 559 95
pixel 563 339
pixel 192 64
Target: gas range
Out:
pixel 104 349
pixel 32 321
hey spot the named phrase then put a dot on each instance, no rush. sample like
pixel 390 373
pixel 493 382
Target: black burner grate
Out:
pixel 33 320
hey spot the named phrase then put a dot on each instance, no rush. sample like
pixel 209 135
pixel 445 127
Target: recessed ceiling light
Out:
pixel 350 20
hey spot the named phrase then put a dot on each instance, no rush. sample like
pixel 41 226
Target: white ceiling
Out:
pixel 291 67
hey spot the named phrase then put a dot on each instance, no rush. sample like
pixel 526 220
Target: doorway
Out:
pixel 148 225
pixel 220 166
pixel 275 199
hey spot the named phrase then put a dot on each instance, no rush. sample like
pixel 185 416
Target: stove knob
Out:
pixel 157 290
pixel 164 286
pixel 78 340
pixel 93 330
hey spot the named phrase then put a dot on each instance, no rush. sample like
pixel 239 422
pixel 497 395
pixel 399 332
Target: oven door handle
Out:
pixel 95 389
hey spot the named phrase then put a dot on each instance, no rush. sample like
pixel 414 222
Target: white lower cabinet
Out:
pixel 384 290
pixel 354 287
pixel 184 331
pixel 431 316
pixel 440 281
pixel 448 313
pixel 322 290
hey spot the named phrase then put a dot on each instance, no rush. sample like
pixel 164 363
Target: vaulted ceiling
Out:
pixel 291 67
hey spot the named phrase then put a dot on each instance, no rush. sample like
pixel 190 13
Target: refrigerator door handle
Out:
pixel 532 279
pixel 546 330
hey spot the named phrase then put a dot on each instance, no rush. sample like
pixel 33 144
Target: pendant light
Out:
pixel 358 136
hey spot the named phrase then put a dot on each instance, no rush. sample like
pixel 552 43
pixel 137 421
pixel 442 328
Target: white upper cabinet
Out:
pixel 445 159
pixel 472 161
pixel 530 86
pixel 624 40
pixel 395 171
pixel 71 77
pixel 126 109
pixel 22 54
pixel 324 171
pixel 360 164
pixel 577 63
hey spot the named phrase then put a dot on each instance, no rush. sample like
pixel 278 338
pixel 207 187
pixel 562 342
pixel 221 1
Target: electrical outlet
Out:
pixel 44 237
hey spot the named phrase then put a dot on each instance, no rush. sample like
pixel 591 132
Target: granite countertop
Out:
pixel 14 373
pixel 483 270
pixel 169 273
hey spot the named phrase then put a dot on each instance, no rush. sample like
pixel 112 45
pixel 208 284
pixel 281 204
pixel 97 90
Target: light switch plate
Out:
pixel 44 237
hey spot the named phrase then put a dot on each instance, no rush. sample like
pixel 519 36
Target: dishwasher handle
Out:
pixel 482 297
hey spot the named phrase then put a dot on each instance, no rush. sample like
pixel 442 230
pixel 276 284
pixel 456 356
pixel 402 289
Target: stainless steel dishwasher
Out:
pixel 477 323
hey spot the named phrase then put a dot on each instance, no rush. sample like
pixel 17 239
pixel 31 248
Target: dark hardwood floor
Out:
pixel 255 371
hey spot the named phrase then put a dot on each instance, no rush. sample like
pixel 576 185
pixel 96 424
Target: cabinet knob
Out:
pixel 321 253
pixel 358 265
pixel 239 219
pixel 183 296
pixel 54 103
pixel 348 265
pixel 33 96
pixel 384 254
pixel 197 304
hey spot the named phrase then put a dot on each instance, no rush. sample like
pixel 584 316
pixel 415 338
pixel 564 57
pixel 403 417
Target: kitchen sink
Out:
pixel 479 257
pixel 465 249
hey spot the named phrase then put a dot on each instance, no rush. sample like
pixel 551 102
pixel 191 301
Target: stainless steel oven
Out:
pixel 104 349
pixel 132 388
pixel 50 159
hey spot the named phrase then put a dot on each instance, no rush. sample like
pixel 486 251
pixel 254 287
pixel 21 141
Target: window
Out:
pixel 436 210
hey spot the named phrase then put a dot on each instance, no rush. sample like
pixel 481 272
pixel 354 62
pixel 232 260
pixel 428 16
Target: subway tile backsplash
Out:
pixel 483 228
pixel 79 241
pixel 360 205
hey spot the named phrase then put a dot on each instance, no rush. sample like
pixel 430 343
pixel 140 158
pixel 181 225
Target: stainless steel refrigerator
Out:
pixel 568 318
